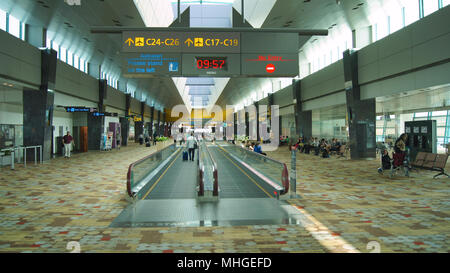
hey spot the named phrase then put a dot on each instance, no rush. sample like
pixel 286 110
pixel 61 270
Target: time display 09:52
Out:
pixel 212 63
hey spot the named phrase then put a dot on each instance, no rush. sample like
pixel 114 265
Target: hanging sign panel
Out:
pixel 148 41
pixel 214 42
pixel 270 65
pixel 151 64
pixel 269 42
pixel 189 42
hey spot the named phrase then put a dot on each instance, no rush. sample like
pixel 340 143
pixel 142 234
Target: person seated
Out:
pixel 300 144
pixel 335 145
pixel 385 161
pixel 308 145
pixel 252 146
pixel 325 149
pixel 258 149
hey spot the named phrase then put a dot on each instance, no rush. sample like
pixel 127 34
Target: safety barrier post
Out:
pixel 12 159
pixel 293 173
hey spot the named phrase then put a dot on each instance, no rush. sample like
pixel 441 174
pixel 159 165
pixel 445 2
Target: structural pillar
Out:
pixel 125 122
pixel 361 113
pixel 303 119
pixel 96 123
pixel 257 121
pixel 235 124
pixel 247 123
pixel 38 109
pixel 158 127
pixel 152 120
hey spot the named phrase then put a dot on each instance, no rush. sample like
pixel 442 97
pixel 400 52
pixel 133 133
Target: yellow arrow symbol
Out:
pixel 189 42
pixel 129 41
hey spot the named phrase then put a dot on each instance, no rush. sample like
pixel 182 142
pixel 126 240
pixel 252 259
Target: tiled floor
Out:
pixel 347 204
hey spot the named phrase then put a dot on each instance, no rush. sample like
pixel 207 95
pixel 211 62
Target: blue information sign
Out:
pixel 151 64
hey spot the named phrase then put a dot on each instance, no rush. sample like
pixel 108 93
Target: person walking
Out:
pixel 67 141
pixel 190 144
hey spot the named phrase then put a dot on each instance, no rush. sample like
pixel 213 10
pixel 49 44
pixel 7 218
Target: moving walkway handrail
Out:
pixel 203 149
pixel 134 164
pixel 284 173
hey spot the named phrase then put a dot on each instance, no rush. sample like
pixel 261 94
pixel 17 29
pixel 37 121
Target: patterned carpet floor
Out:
pixel 348 205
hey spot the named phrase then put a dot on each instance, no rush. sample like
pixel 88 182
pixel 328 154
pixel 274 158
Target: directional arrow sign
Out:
pixel 129 41
pixel 189 42
pixel 151 42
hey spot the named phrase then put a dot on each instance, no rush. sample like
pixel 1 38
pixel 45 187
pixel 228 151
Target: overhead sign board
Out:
pixel 146 41
pixel 74 109
pixel 151 64
pixel 270 65
pixel 213 54
pixel 269 42
pixel 208 42
pixel 190 42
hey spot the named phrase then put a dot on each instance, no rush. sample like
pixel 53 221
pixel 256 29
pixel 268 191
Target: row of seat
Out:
pixel 430 161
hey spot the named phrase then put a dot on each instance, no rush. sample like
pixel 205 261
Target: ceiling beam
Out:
pixel 119 30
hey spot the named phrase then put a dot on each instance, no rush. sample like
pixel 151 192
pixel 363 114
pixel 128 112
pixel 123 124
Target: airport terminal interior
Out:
pixel 225 126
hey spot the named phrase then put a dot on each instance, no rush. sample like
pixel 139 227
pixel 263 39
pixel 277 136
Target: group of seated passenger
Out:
pixel 284 140
pixel 322 147
pixel 253 146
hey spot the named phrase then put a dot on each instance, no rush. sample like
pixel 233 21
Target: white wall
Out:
pixel 11 114
pixel 23 60
pixel 409 50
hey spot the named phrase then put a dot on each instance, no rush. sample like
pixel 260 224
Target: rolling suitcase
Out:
pixel 185 156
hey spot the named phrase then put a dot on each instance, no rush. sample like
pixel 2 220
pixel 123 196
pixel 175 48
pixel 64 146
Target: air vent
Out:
pixel 129 17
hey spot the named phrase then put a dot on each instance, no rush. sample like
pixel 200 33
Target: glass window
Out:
pixel 440 131
pixel 445 3
pixel 411 11
pixel 22 31
pixel 439 113
pixel 422 114
pixel 396 21
pixel 14 26
pixel 63 54
pixel 440 121
pixel 76 61
pixel 82 65
pixel 2 20
pixel 382 28
pixel 70 58
pixel 390 131
pixel 430 6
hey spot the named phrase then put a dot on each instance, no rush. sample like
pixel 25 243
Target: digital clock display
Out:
pixel 212 63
